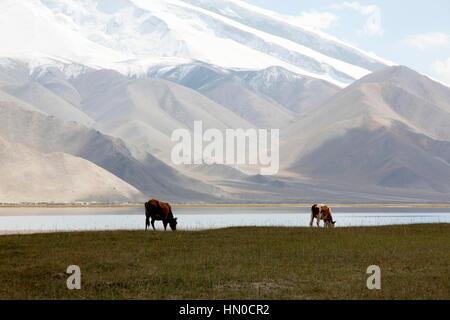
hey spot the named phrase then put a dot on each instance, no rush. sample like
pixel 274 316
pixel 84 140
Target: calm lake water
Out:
pixel 18 220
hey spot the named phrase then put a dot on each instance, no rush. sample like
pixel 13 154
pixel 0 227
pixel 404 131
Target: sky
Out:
pixel 415 33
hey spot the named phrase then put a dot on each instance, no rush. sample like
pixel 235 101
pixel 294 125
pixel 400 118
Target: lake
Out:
pixel 26 220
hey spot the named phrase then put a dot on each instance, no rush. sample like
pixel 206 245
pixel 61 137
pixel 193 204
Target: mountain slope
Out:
pixel 146 111
pixel 413 82
pixel 224 87
pixel 9 99
pixel 141 170
pixel 131 36
pixel 363 137
pixel 48 102
pixel 31 176
pixel 56 81
pixel 297 93
pixel 283 27
pixel 419 100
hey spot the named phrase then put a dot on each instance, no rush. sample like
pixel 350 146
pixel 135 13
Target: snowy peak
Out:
pixel 272 74
pixel 193 75
pixel 132 35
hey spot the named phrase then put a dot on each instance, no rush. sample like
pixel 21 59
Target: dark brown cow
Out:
pixel 321 212
pixel 158 210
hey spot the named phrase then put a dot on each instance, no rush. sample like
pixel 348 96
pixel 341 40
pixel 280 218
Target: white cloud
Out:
pixel 373 24
pixel 427 40
pixel 316 20
pixel 442 70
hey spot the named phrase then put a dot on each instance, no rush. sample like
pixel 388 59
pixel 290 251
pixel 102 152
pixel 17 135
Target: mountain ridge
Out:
pixel 359 127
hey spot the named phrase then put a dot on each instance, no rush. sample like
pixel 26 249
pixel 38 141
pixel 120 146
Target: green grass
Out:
pixel 233 263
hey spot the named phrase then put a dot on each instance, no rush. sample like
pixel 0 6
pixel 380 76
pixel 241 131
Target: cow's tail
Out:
pixel 147 216
pixel 312 215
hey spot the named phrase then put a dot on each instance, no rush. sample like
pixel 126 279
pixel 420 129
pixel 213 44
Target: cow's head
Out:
pixel 173 224
pixel 328 218
pixel 329 223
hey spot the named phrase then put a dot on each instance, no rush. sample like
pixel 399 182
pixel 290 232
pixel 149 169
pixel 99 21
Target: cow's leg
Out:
pixel 165 225
pixel 153 225
pixel 318 222
pixel 312 220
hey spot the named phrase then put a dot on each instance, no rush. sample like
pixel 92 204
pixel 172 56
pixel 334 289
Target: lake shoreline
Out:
pixel 55 219
pixel 35 232
pixel 231 205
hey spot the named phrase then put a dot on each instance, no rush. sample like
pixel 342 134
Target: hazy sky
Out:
pixel 415 33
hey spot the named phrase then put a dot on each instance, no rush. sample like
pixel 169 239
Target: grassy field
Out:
pixel 233 263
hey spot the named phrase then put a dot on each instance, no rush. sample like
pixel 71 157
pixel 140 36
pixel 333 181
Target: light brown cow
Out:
pixel 321 212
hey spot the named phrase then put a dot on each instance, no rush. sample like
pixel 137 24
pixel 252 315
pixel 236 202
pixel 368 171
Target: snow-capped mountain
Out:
pixel 108 81
pixel 130 36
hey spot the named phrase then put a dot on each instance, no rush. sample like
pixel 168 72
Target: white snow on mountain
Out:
pixel 132 35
